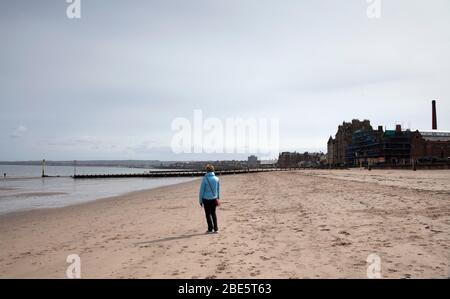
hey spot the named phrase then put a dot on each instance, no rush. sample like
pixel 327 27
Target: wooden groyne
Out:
pixel 177 173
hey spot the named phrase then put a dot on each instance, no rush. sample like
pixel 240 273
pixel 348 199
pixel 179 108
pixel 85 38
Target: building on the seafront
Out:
pixel 200 165
pixel 367 146
pixel 338 145
pixel 374 147
pixel 397 147
pixel 294 159
pixel 429 146
pixel 272 163
pixel 252 161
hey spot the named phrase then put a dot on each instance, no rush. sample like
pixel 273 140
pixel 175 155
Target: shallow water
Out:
pixel 14 171
pixel 24 192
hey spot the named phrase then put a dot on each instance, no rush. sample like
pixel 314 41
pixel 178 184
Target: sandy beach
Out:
pixel 298 224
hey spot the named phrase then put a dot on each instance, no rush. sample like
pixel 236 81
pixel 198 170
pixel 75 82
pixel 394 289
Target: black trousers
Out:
pixel 210 213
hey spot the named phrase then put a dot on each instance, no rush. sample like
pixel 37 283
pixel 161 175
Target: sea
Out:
pixel 23 188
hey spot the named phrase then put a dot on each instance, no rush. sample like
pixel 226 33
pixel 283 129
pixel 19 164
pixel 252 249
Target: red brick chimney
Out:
pixel 398 128
pixel 434 117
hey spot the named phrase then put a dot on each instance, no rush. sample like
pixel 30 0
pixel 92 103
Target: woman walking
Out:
pixel 209 197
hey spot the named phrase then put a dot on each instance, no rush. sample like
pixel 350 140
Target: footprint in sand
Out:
pixel 222 251
pixel 256 273
pixel 222 266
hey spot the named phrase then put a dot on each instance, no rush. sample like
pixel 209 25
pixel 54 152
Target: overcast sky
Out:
pixel 109 85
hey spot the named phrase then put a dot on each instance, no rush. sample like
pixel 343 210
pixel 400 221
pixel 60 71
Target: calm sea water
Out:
pixel 24 189
pixel 36 170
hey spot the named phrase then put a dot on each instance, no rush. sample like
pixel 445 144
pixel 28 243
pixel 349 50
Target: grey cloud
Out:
pixel 123 71
pixel 19 132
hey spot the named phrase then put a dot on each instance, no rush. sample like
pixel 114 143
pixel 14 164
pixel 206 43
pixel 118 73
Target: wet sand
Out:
pixel 300 224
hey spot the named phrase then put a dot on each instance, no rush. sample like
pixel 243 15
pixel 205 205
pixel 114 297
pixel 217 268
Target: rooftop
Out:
pixel 435 135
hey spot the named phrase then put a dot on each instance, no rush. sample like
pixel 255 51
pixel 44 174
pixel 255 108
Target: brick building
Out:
pixel 378 147
pixel 397 147
pixel 430 146
pixel 294 159
pixel 357 143
pixel 338 145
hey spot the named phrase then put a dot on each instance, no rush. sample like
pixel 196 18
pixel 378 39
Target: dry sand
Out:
pixel 300 224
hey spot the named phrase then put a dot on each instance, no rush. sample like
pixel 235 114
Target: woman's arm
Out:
pixel 202 191
pixel 218 189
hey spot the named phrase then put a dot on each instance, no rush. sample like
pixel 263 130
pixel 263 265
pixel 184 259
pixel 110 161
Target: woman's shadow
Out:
pixel 146 243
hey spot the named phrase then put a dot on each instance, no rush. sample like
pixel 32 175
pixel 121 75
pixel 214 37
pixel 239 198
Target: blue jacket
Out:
pixel 209 188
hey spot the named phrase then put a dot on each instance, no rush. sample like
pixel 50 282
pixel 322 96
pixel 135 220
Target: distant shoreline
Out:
pixel 87 163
